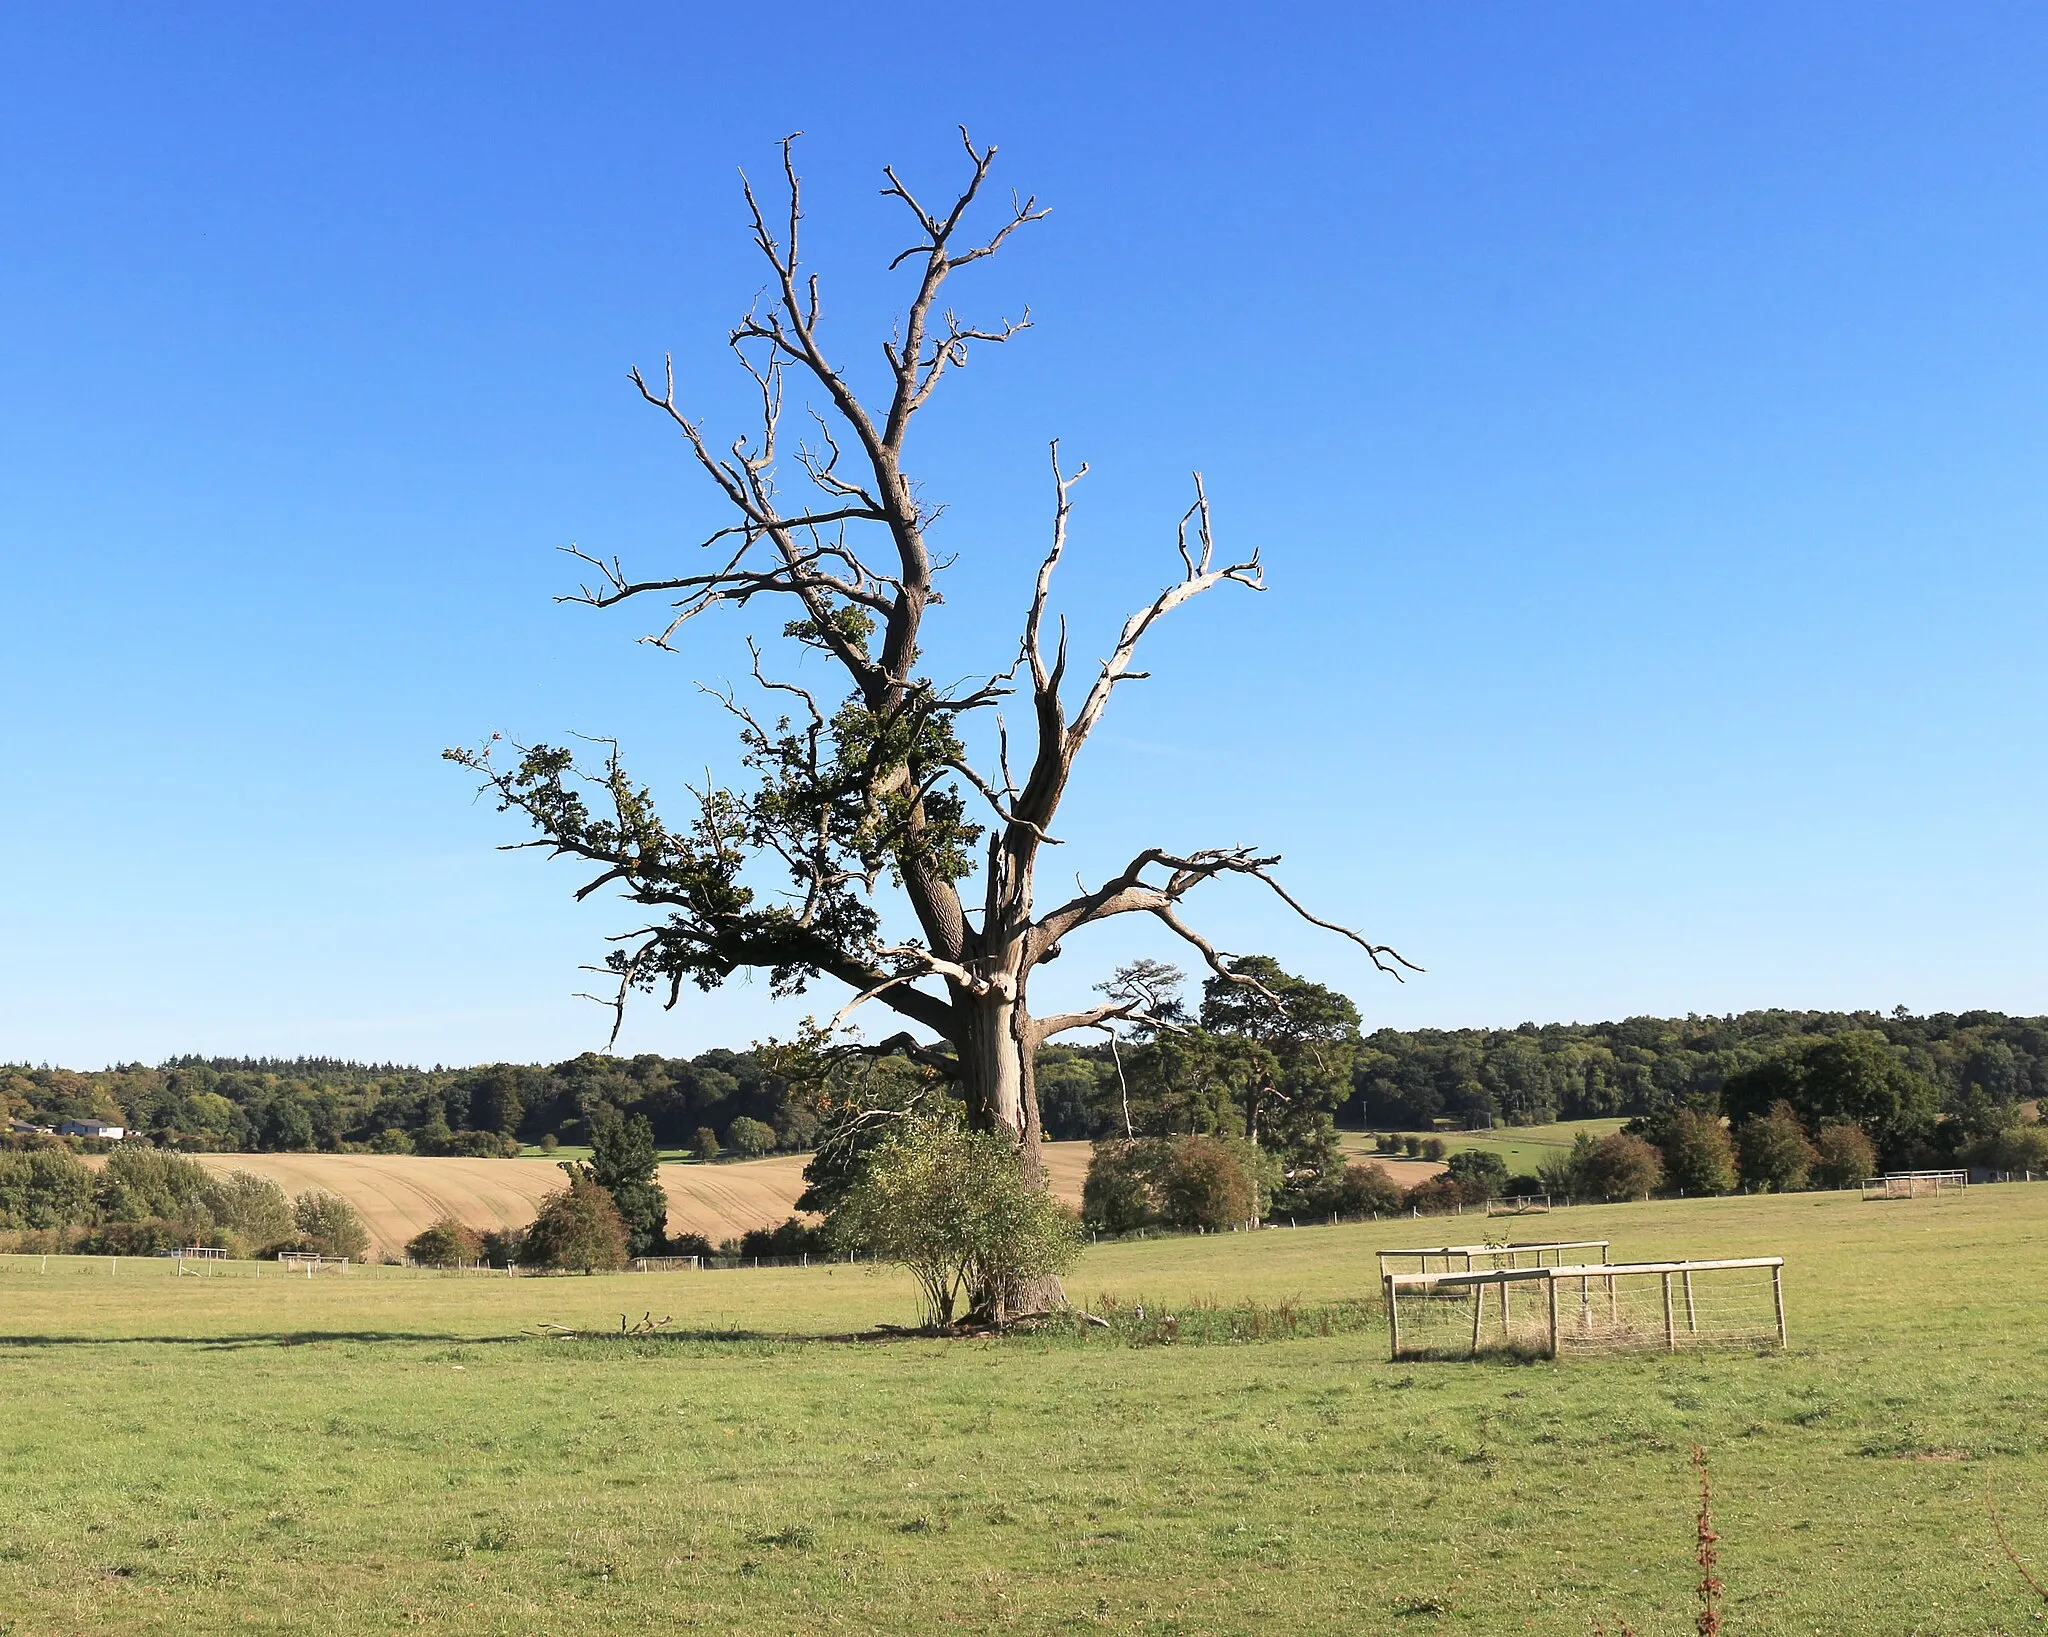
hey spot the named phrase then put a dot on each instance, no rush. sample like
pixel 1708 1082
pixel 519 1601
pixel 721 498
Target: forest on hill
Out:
pixel 1200 1079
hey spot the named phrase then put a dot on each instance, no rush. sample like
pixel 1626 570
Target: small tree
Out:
pixel 1211 1183
pixel 446 1244
pixel 253 1208
pixel 950 1205
pixel 1843 1156
pixel 1619 1167
pixel 750 1138
pixel 1699 1155
pixel 1480 1172
pixel 1774 1153
pixel 1122 1180
pixel 624 1163
pixel 1363 1189
pixel 705 1144
pixel 328 1225
pixel 578 1230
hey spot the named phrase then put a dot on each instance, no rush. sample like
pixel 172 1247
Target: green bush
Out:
pixel 1618 1166
pixel 1843 1156
pixel 1699 1155
pixel 44 1188
pixel 705 1144
pixel 1430 1148
pixel 1119 1193
pixel 141 1184
pixel 145 1237
pixel 578 1230
pixel 445 1244
pixel 1360 1189
pixel 1773 1152
pixel 796 1237
pixel 2014 1148
pixel 252 1209
pixel 750 1138
pixel 952 1207
pixel 1481 1170
pixel 1210 1183
pixel 328 1225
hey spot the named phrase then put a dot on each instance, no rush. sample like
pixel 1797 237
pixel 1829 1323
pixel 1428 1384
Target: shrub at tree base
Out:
pixel 328 1225
pixel 445 1244
pixel 950 1206
pixel 578 1230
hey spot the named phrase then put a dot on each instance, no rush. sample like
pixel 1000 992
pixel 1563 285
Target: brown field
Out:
pixel 398 1195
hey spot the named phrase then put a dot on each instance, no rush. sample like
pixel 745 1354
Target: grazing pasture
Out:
pixel 389 1450
pixel 1521 1147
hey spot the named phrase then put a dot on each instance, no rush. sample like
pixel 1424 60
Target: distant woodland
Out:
pixel 1199 1079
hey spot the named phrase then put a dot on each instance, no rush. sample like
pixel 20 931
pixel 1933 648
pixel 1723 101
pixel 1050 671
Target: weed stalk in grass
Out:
pixel 1706 1552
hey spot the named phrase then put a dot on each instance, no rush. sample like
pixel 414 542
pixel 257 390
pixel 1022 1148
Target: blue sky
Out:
pixel 1640 410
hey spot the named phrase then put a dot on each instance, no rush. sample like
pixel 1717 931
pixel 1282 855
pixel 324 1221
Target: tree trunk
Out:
pixel 999 1076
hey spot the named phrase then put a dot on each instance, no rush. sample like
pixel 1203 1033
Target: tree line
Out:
pixel 1285 1062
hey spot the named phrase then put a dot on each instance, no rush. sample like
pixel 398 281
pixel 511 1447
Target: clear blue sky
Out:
pixel 1641 410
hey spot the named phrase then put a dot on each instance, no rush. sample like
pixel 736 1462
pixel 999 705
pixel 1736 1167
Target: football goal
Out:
pixel 1556 1311
pixel 1913 1184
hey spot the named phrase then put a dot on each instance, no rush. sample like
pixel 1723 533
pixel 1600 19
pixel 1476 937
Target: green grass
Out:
pixel 385 1451
pixel 1522 1147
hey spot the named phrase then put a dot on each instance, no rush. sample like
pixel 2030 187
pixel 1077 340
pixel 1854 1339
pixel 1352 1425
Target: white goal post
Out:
pixel 1593 1307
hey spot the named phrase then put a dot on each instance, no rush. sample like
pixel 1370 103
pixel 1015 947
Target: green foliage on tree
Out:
pixel 750 1138
pixel 1843 1156
pixel 44 1188
pixel 328 1225
pixel 951 1206
pixel 1772 1150
pixel 1480 1171
pixel 1856 1078
pixel 624 1162
pixel 1618 1166
pixel 251 1209
pixel 1184 1182
pixel 445 1244
pixel 705 1144
pixel 1699 1155
pixel 577 1230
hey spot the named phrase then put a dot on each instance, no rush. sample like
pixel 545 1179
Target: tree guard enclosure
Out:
pixel 1588 1308
pixel 1914 1184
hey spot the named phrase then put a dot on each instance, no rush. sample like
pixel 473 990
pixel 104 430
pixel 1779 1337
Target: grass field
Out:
pixel 1523 1147
pixel 388 1450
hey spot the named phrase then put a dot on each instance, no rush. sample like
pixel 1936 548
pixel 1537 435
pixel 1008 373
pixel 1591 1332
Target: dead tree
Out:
pixel 878 785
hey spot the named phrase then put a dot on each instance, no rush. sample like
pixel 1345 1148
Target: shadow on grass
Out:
pixel 223 1344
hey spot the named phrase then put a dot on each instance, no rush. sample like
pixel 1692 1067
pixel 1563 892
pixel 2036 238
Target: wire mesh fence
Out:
pixel 1914 1184
pixel 1593 1308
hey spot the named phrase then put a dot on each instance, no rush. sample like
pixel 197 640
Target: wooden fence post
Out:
pixel 1670 1332
pixel 1692 1317
pixel 1778 1299
pixel 1393 1323
pixel 1551 1282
